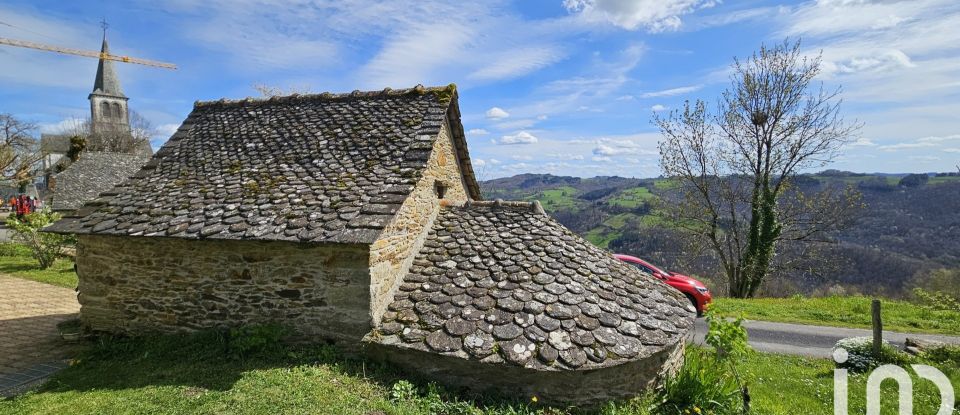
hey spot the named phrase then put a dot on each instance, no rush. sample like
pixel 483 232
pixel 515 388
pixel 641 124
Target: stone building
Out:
pixel 357 218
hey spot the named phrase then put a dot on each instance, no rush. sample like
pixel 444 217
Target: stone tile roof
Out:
pixel 311 168
pixel 502 282
pixel 89 176
pixel 54 143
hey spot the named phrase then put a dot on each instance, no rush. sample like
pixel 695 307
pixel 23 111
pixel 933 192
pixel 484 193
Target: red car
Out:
pixel 698 293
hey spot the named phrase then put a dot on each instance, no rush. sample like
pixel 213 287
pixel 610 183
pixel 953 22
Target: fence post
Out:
pixel 877 327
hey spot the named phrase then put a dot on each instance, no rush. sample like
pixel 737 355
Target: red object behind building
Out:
pixel 696 292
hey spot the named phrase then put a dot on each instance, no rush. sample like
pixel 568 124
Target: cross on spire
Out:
pixel 104 25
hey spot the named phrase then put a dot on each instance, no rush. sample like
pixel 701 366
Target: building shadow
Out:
pixel 27 341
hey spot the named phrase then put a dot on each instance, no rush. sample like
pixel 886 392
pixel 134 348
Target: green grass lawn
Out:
pixel 16 261
pixel 174 375
pixel 853 311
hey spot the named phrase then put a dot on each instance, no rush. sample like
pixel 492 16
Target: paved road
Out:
pixel 814 341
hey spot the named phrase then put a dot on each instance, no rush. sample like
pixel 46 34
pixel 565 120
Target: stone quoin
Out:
pixel 357 218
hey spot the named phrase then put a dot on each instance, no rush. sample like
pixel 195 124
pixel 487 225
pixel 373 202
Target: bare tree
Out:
pixel 137 139
pixel 19 150
pixel 735 168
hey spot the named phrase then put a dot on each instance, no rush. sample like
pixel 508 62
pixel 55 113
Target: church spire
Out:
pixel 107 82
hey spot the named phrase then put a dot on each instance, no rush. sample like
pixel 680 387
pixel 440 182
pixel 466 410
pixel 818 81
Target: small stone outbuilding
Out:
pixel 357 218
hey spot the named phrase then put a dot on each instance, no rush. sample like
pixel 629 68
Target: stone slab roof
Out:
pixel 92 174
pixel 501 282
pixel 307 168
pixel 54 143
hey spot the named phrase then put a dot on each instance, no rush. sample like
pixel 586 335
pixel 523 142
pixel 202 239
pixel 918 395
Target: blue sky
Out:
pixel 561 86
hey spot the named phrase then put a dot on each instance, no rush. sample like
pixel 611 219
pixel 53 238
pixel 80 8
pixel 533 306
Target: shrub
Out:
pixel 44 247
pixel 935 300
pixel 914 180
pixel 948 355
pixel 700 386
pixel 860 357
pixel 728 337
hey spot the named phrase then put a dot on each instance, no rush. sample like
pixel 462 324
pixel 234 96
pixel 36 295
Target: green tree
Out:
pixel 736 167
pixel 914 180
pixel 45 247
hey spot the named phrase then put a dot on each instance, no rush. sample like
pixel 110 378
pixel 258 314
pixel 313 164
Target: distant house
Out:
pixel 67 186
pixel 357 218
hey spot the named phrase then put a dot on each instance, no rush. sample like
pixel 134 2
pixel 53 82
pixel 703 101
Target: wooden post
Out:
pixel 877 327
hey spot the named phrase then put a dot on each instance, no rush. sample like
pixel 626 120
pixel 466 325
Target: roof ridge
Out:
pixel 442 92
pixel 533 206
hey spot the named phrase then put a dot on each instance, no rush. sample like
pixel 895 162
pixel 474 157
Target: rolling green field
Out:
pixel 851 311
pixel 559 198
pixel 631 198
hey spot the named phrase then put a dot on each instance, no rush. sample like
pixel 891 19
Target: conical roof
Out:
pixel 500 283
pixel 107 82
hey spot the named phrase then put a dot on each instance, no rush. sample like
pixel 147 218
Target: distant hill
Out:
pixel 903 230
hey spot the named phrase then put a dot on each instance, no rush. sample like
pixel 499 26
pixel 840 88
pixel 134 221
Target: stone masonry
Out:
pixel 321 290
pixel 392 254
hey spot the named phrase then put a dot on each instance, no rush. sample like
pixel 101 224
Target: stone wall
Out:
pixel 583 388
pixel 137 284
pixel 392 254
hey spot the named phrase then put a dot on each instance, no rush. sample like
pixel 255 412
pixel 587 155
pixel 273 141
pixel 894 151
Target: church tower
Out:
pixel 108 106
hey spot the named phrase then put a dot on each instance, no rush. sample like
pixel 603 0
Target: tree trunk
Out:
pixel 762 236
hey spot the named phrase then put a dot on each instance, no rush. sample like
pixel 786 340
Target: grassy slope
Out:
pixel 563 197
pixel 851 311
pixel 180 375
pixel 631 198
pixel 17 262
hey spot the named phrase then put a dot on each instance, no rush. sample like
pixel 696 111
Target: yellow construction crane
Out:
pixel 87 53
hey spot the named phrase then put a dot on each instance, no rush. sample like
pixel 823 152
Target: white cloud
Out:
pixel 566 156
pixel 516 124
pixel 672 91
pixel 522 157
pixel 166 130
pixel 20 67
pixel 652 15
pixel 939 139
pixel 495 161
pixel 951 150
pixel 923 142
pixel 601 158
pixel 658 108
pixel 497 113
pixel 518 62
pixel 871 61
pixel 478 163
pixel 477 131
pixel 625 98
pixel 607 147
pixel 64 126
pixel 521 137
pixel 862 142
pixel 905 146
